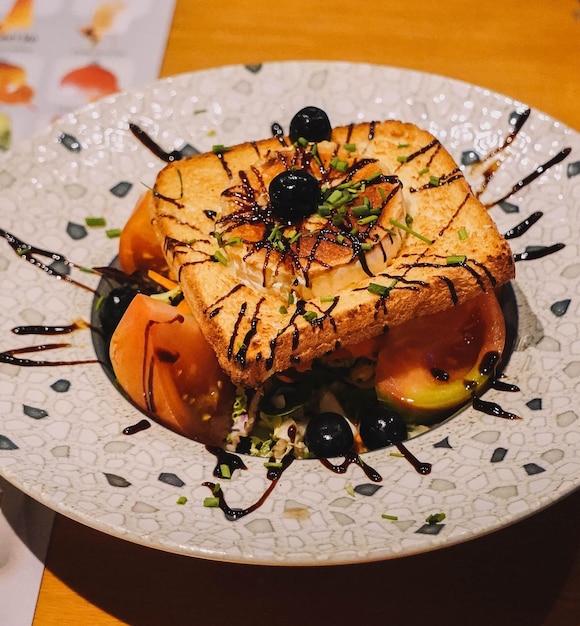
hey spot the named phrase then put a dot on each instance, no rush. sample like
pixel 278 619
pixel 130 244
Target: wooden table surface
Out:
pixel 527 574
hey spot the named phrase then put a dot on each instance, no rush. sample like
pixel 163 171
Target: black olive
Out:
pixel 381 427
pixel 113 308
pixel 328 435
pixel 310 123
pixel 294 194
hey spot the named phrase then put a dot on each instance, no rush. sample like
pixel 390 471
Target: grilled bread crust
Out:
pixel 453 253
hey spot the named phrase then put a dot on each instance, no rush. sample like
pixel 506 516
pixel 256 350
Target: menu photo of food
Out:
pixel 59 55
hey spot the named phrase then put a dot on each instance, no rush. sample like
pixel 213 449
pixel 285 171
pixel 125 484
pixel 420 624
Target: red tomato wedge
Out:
pixel 165 365
pixel 139 248
pixel 430 366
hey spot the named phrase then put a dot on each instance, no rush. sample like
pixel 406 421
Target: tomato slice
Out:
pixel 139 247
pixel 165 365
pixel 430 366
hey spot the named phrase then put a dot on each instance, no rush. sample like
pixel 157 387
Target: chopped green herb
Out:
pixel 233 241
pixel 95 221
pixel 397 454
pixel 367 220
pixel 366 246
pixel 225 471
pixel 378 290
pixel 113 233
pixel 310 316
pixel 462 234
pixel 434 181
pixel 456 259
pixel 290 298
pixel 211 502
pixel 181 500
pixel 383 194
pixel 423 171
pixel 408 219
pixel 327 298
pixel 301 141
pixel 339 165
pixel 350 147
pixel 435 518
pixel 409 230
pixel 393 518
pixel 220 149
pixel 218 256
pixel 402 158
pixel 340 238
pixel 283 310
pixel 403 145
pixel 361 210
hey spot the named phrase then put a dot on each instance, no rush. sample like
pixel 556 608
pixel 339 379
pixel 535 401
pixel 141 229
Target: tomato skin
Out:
pixel 165 365
pixel 427 385
pixel 139 247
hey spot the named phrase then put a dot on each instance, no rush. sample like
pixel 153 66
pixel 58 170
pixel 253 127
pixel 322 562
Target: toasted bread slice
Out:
pixel 270 295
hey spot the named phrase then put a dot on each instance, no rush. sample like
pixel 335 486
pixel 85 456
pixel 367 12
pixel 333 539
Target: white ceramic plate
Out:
pixel 61 427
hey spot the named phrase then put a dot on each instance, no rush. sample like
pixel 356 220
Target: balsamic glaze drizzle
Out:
pixel 28 252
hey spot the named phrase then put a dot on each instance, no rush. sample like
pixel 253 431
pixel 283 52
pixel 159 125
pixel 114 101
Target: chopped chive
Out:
pixel 383 194
pixel 211 502
pixel 218 256
pixel 462 234
pixel 112 233
pixel 95 221
pixel 335 196
pixel 435 518
pixel 339 165
pixel 378 290
pixel 422 171
pixel 225 471
pixel 409 230
pixel 301 141
pixel 402 158
pixel 274 464
pixel 283 310
pixel 367 220
pixel 340 238
pixel 393 518
pixel 408 219
pixel 397 454
pixel 220 149
pixel 350 147
pixel 354 232
pixel 310 316
pixel 403 145
pixel 372 176
pixel 181 500
pixel 434 181
pixel 456 259
pixel 327 298
pixel 290 298
pixel 233 241
pixel 290 234
pixel 324 210
pixel 361 210
pixel 219 239
pixel 366 246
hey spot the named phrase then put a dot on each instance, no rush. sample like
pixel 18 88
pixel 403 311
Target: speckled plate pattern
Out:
pixel 61 438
